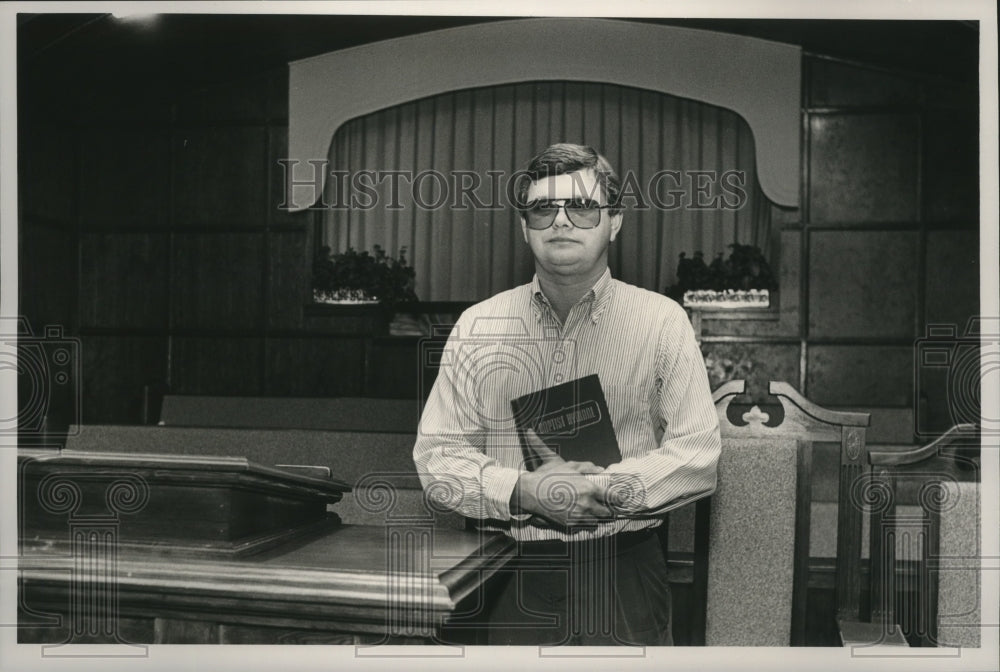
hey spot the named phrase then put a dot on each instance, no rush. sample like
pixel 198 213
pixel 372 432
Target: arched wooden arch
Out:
pixel 757 79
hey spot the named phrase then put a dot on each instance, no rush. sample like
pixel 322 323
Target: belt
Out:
pixel 613 544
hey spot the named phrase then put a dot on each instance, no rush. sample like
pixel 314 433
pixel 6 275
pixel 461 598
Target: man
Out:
pixel 589 569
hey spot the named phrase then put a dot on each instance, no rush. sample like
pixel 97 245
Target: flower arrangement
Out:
pixel 360 277
pixel 745 278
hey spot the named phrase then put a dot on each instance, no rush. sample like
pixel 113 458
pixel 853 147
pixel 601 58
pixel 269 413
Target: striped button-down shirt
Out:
pixel 641 346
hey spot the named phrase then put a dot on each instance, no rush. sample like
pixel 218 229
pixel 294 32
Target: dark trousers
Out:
pixel 600 592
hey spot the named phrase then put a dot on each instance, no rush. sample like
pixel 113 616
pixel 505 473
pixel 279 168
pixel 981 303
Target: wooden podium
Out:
pixel 126 548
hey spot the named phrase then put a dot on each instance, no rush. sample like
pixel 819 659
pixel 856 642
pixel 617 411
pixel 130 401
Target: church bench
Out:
pixel 939 535
pixel 919 504
pixel 751 546
pixel 359 414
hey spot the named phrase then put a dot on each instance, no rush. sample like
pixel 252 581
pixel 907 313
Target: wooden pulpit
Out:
pixel 144 548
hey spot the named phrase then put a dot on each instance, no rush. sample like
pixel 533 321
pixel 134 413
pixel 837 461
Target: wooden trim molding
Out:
pixel 758 79
pixel 357 579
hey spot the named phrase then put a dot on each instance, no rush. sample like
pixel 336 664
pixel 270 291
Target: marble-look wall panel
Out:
pixel 860 375
pixel 863 283
pixel 864 167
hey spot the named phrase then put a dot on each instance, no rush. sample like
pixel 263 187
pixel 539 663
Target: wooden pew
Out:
pixel 752 535
pixel 941 538
pixel 355 414
pixel 941 525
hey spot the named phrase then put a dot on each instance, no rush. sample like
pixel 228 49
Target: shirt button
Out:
pixel 559 357
pixel 558 377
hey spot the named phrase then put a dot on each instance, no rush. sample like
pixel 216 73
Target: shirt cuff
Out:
pixel 498 485
pixel 624 493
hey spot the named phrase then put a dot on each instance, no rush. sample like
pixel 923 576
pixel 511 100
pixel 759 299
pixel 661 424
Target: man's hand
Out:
pixel 558 491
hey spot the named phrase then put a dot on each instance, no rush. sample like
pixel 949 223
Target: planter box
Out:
pixel 345 297
pixel 729 299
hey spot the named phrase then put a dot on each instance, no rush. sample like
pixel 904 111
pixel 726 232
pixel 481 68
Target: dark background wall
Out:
pixel 153 233
pixel 150 230
pixel 885 244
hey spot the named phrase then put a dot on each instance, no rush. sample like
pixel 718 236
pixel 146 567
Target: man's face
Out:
pixel 563 249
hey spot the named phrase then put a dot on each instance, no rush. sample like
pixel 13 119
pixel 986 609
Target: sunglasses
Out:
pixel 582 213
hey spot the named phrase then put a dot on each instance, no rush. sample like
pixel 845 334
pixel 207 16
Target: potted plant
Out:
pixel 744 280
pixel 353 277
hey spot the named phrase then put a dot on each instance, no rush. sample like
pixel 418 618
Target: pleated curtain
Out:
pixel 470 253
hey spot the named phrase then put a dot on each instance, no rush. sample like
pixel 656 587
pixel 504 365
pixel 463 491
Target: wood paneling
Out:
pixel 860 375
pixel 288 278
pixel 864 168
pixel 952 282
pixel 216 280
pixel 863 283
pixel 124 177
pixel 307 367
pixel 123 280
pixel 278 148
pixel 125 105
pixel 47 171
pixel 833 84
pixel 393 369
pixel 47 273
pixel 241 100
pixel 115 369
pixel 220 176
pixel 277 93
pixel 225 366
pixel 47 375
pixel 951 165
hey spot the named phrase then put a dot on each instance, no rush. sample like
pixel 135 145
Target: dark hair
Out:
pixel 563 158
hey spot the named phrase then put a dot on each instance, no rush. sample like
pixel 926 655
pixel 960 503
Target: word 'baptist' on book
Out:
pixel 572 419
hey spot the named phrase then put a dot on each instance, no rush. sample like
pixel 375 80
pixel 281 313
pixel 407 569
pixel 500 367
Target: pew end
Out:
pixel 940 534
pixel 756 595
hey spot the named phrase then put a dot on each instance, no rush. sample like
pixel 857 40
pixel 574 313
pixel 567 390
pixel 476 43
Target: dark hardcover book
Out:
pixel 572 419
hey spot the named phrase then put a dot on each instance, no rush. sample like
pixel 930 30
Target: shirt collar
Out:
pixel 598 296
